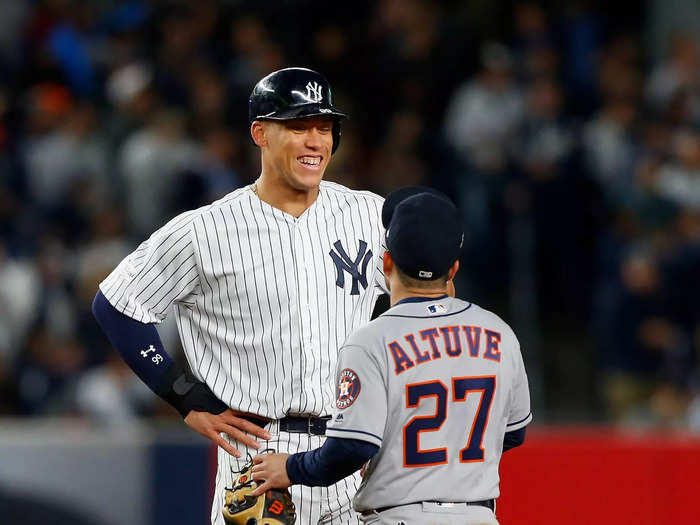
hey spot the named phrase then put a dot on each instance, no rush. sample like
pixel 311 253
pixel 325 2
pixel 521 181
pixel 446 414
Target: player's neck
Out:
pixel 400 292
pixel 283 197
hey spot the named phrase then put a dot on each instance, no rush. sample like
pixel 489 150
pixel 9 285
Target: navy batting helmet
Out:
pixel 291 93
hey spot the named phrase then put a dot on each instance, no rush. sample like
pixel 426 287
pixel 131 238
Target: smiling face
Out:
pixel 296 152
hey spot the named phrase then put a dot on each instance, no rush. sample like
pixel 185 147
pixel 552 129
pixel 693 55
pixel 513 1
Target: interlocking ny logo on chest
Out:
pixel 356 268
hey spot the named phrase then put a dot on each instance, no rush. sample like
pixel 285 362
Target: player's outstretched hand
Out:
pixel 272 470
pixel 212 425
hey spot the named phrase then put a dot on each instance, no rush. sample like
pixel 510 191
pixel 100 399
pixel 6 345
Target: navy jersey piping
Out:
pixel 518 422
pixel 427 316
pixel 355 431
pixel 420 299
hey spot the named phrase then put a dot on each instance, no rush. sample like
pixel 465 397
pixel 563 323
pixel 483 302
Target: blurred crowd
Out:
pixel 571 144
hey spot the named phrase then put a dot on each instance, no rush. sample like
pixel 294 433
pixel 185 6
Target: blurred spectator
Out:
pixel 105 247
pixel 679 74
pixel 484 113
pixel 629 350
pixel 70 151
pixel 547 138
pixel 178 48
pixel 208 99
pixel 19 303
pixel 535 56
pixel 679 181
pixel 47 105
pixel 70 43
pixel 610 147
pixel 581 35
pixel 150 161
pixel 254 53
pixel 212 173
pixel 20 290
pixel 420 54
pixel 57 313
pixel 130 91
pixel 111 394
pixel 557 200
pixel 482 121
pixel 52 363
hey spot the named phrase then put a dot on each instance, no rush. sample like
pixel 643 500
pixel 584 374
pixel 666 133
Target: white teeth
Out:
pixel 313 161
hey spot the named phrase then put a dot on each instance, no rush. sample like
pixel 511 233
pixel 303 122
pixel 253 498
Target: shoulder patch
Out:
pixel 348 388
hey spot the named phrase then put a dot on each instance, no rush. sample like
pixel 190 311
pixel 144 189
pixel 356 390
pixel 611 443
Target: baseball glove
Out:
pixel 275 507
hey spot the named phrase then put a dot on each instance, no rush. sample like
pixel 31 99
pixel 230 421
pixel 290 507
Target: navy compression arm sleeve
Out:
pixel 335 460
pixel 141 348
pixel 513 439
pixel 139 344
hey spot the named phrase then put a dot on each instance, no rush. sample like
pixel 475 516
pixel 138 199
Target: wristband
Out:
pixel 185 393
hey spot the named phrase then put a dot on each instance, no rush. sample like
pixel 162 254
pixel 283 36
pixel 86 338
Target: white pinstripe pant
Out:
pixel 314 505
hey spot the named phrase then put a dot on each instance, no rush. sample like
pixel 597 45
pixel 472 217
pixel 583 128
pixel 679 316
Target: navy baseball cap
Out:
pixel 395 197
pixel 425 235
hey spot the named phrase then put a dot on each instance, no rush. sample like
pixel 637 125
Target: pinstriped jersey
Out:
pixel 263 300
pixel 435 383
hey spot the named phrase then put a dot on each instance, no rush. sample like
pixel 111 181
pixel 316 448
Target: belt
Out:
pixel 296 424
pixel 488 503
pixel 304 425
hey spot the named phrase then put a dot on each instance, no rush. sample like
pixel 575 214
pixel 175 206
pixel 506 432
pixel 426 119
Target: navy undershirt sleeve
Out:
pixel 139 344
pixel 338 458
pixel 513 439
pixel 335 460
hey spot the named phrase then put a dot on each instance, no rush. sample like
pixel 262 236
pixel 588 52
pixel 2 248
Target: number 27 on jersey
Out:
pixel 461 387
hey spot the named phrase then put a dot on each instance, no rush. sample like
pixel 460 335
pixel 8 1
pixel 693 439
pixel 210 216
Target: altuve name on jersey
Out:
pixel 451 341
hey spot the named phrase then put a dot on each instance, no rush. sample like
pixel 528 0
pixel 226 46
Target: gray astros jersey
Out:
pixel 263 300
pixel 436 384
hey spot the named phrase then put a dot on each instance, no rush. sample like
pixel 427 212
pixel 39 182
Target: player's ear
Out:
pixel 450 276
pixel 257 131
pixel 453 270
pixel 388 264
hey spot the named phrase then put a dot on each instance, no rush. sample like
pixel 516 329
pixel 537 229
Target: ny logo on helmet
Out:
pixel 343 263
pixel 313 92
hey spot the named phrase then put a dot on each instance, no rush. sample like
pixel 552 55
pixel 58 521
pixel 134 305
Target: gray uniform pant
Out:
pixel 431 513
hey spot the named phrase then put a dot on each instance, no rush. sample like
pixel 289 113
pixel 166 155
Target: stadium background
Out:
pixel 568 132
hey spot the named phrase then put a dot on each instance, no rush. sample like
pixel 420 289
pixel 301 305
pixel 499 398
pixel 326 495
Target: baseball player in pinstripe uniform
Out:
pixel 431 392
pixel 265 285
